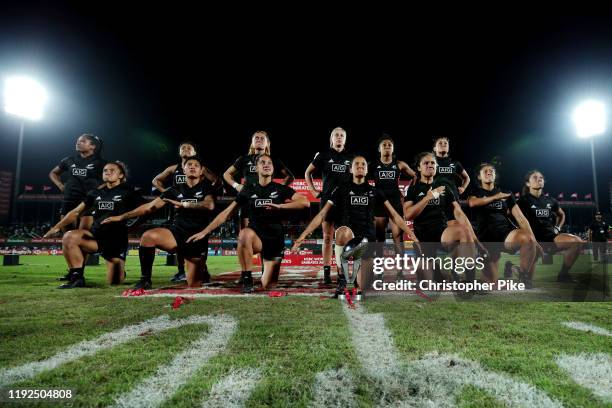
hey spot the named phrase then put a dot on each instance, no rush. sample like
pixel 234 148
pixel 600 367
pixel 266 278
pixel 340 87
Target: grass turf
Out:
pixel 289 339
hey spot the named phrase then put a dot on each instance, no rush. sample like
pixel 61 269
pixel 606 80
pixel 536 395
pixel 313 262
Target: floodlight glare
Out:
pixel 590 118
pixel 24 97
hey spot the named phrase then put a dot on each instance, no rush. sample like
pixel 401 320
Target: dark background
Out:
pixel 499 84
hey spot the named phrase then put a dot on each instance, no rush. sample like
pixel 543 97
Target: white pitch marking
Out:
pixel 434 380
pixel 234 389
pixel 90 347
pixel 229 295
pixel 592 371
pixel 153 391
pixel 586 327
pixel 334 388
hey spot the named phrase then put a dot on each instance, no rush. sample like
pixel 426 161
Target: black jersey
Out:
pixel 247 167
pixel 493 216
pixel 105 202
pixel 189 219
pixel 356 204
pixel 255 198
pixel 386 177
pixel 434 213
pixel 541 214
pixel 449 170
pixel 599 231
pixel 335 168
pixel 84 174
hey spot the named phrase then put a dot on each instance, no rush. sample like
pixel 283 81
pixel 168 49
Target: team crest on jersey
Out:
pixel 79 172
pixel 263 202
pixel 386 174
pixel 359 200
pixel 253 169
pixel 106 205
pixel 339 168
pixel 199 194
pixel 90 166
pixel 274 194
pixel 496 205
pixel 543 212
pixel 117 198
pixel 548 205
pixel 180 179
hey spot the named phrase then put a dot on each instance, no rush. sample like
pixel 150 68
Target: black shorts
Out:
pixel 494 234
pixel 197 249
pixel 546 239
pixel 69 205
pixel 429 233
pixel 271 246
pixel 396 202
pixel 333 215
pixel 112 242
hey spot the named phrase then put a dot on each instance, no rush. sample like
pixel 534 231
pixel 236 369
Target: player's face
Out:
pixel 428 166
pixel 259 141
pixel 338 138
pixel 111 173
pixel 359 167
pixel 386 147
pixel 487 174
pixel 192 168
pixel 187 150
pixel 265 166
pixel 441 147
pixel 83 144
pixel 536 181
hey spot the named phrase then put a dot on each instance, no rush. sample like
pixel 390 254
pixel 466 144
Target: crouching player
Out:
pixel 110 240
pixel 356 202
pixel 265 232
pixel 193 201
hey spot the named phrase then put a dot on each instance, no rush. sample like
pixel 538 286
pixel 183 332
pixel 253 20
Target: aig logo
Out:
pixel 339 168
pixel 434 201
pixel 445 170
pixel 189 200
pixel 180 179
pixel 359 200
pixel 106 205
pixel 263 202
pixel 79 172
pixel 497 205
pixel 386 175
pixel 253 169
pixel 542 212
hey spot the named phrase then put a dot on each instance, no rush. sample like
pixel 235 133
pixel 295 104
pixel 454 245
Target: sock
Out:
pixel 147 256
pixel 338 251
pixel 564 270
pixel 77 271
pixel 180 260
pixel 246 275
pixel 326 270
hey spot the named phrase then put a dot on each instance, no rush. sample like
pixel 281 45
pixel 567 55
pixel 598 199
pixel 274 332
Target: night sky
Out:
pixel 143 80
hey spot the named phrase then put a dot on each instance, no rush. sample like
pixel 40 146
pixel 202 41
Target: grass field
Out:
pixel 294 351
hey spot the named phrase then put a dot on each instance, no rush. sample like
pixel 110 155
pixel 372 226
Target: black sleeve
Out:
pixel 170 193
pixel 411 194
pixel 459 168
pixel 64 164
pixel 279 166
pixel 90 199
pixel 318 161
pixel 286 193
pixel 510 201
pixel 136 199
pixel 593 226
pixel 335 196
pixel 239 163
pixel 555 205
pixel 380 196
pixel 242 198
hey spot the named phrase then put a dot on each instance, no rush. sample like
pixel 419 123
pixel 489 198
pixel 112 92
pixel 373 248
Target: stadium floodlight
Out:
pixel 24 97
pixel 590 120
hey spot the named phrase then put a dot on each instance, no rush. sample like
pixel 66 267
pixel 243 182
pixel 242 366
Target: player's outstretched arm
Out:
pixel 69 218
pixel 214 224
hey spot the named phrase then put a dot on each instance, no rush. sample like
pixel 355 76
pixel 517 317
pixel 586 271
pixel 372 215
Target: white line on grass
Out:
pixel 592 371
pixel 234 389
pixel 434 380
pixel 90 347
pixel 586 327
pixel 213 295
pixel 153 391
pixel 334 388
